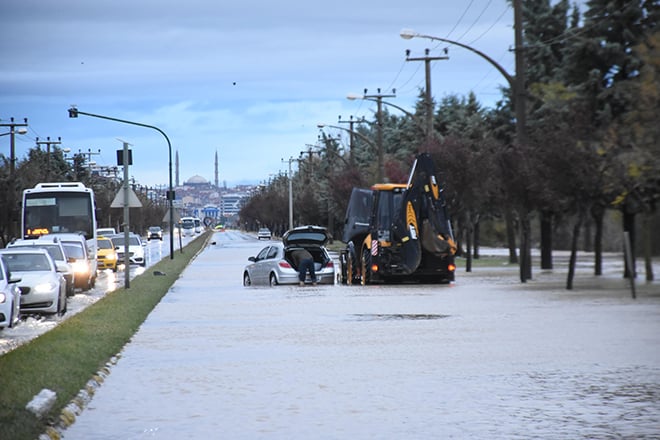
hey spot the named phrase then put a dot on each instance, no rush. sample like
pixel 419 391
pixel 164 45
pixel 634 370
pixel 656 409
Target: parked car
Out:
pixel 265 234
pixel 135 249
pixel 10 298
pixel 84 264
pixel 273 266
pixel 155 232
pixel 106 232
pixel 56 250
pixel 106 254
pixel 43 288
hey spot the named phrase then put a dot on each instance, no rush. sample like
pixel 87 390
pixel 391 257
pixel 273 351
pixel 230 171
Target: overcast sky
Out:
pixel 250 79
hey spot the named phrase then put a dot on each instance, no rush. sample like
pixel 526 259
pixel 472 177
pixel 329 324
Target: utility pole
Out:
pixel 48 143
pixel 429 98
pixel 12 146
pixel 290 160
pixel 13 212
pixel 127 227
pixel 350 123
pixel 378 97
pixel 89 154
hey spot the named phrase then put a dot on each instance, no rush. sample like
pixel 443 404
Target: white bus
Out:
pixel 60 207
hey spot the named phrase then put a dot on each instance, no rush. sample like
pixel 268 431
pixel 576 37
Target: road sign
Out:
pixel 133 201
pixel 177 217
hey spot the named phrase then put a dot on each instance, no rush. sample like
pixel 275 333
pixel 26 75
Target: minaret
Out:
pixel 176 161
pixel 216 169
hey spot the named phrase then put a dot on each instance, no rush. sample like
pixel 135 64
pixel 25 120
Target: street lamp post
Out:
pixel 74 112
pixel 516 83
pixel 290 160
pixel 378 99
pixel 361 136
pixel 354 96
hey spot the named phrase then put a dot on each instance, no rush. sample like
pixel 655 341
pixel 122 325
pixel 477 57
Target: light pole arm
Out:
pixel 406 34
pixel 74 112
pixel 358 134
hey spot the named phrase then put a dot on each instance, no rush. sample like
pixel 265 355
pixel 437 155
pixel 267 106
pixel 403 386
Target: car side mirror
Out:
pixel 11 280
pixel 253 259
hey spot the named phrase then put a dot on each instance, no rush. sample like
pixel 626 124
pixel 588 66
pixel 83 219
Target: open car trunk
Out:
pixel 320 259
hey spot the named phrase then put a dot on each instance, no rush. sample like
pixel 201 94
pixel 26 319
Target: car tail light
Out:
pixel 285 265
pixel 451 267
pixel 330 265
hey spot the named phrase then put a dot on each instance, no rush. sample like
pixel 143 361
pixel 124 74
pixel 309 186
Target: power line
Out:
pixel 460 19
pixel 475 20
pixel 491 26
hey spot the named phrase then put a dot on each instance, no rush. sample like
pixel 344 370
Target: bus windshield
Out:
pixel 55 212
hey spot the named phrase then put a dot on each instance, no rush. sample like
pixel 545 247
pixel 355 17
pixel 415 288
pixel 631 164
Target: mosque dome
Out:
pixel 197 180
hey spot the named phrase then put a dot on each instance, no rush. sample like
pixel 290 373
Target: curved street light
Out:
pixel 355 96
pixel 366 140
pixel 516 83
pixel 74 112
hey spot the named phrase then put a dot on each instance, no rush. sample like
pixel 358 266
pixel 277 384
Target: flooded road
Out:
pixel 483 358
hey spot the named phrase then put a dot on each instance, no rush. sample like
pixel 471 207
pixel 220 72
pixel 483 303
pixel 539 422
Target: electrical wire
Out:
pixel 459 19
pixel 506 9
pixel 475 20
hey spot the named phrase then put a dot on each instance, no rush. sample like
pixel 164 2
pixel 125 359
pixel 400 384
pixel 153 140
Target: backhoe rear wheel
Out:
pixel 366 267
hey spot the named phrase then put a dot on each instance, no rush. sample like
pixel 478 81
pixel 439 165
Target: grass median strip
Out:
pixel 65 358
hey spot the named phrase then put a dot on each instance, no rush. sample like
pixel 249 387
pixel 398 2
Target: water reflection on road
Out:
pixel 471 360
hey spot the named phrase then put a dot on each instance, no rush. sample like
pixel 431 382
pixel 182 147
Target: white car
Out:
pixel 43 288
pixel 264 233
pixel 10 298
pixel 84 265
pixel 135 249
pixel 56 250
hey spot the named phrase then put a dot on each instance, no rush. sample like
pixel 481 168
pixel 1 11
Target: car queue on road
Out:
pixel 38 276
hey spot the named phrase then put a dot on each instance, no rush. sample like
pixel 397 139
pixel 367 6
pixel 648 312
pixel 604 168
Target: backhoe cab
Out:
pixel 399 232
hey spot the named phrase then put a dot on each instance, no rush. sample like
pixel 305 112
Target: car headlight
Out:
pixel 45 287
pixel 80 267
pixel 3 297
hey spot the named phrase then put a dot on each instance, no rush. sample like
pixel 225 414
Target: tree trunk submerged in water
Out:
pixel 574 245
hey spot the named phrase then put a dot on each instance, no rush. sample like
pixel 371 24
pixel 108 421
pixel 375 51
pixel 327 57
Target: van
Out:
pixel 187 226
pixel 106 232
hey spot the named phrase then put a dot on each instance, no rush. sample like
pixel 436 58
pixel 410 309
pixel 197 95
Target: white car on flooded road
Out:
pixel 43 288
pixel 10 298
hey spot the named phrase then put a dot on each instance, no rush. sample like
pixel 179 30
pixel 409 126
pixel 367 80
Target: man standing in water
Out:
pixel 304 262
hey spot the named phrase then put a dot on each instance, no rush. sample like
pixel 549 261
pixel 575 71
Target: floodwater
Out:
pixel 486 357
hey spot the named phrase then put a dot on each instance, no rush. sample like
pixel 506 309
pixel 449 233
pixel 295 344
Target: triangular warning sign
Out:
pixel 133 201
pixel 175 216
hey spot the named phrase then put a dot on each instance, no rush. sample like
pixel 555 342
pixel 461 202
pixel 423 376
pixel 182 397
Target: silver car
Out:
pixel 56 250
pixel 272 265
pixel 43 288
pixel 10 298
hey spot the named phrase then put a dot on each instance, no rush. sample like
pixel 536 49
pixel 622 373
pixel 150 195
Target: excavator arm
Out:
pixel 424 223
